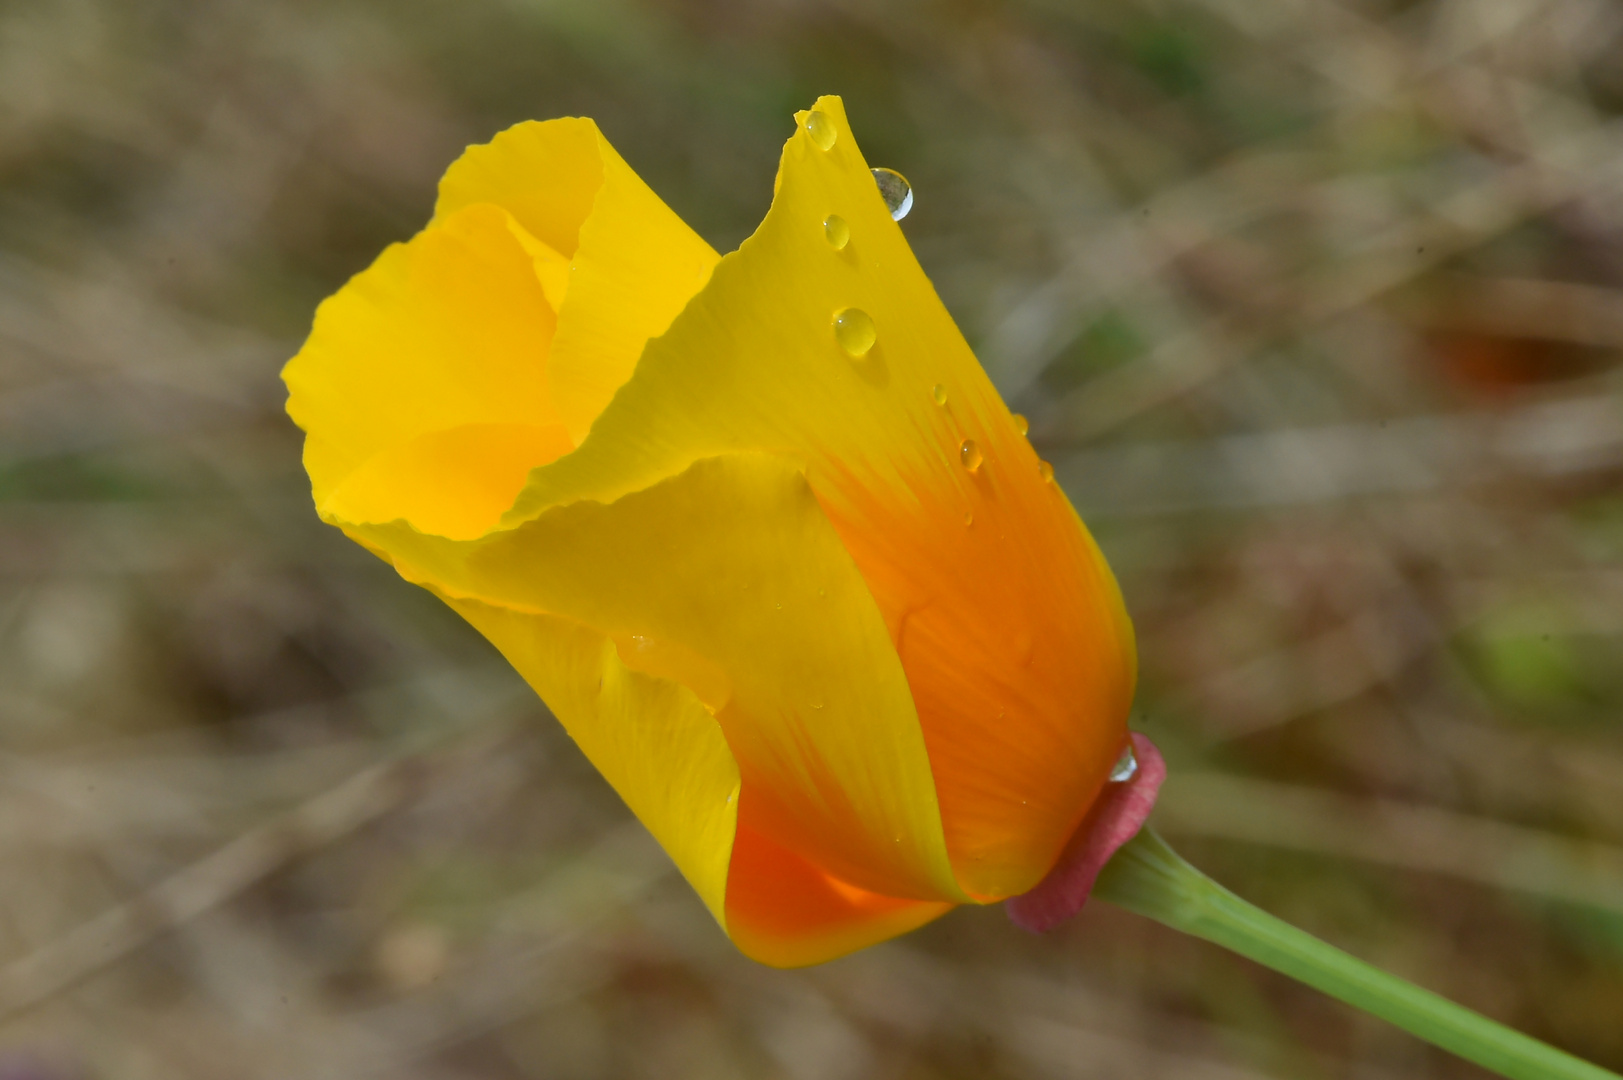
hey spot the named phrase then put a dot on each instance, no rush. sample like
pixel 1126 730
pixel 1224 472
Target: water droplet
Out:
pixel 836 231
pixel 1021 424
pixel 970 454
pixel 855 332
pixel 816 704
pixel 1046 471
pixel 1125 766
pixel 820 126
pixel 897 191
pixel 939 394
pixel 969 517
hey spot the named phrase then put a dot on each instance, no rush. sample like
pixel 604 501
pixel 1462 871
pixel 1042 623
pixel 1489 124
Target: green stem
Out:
pixel 1148 877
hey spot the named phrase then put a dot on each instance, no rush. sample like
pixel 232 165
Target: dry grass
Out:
pixel 1316 305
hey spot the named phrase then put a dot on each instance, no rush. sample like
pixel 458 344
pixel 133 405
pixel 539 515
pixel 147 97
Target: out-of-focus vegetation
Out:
pixel 1317 306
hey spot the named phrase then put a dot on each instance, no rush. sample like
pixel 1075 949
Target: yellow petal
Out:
pixel 652 739
pixel 447 331
pixel 1007 621
pixel 546 173
pixel 634 263
pixel 454 483
pixel 733 567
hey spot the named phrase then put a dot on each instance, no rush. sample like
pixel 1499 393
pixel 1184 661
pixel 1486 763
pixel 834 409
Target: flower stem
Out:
pixel 1148 877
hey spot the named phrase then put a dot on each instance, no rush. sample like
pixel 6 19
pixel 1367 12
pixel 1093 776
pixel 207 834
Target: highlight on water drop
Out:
pixel 939 394
pixel 836 232
pixel 1021 424
pixel 1046 471
pixel 1125 766
pixel 821 129
pixel 854 330
pixel 897 191
pixel 970 454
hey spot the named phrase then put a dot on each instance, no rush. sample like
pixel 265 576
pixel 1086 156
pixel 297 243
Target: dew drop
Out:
pixel 970 454
pixel 939 394
pixel 854 330
pixel 969 517
pixel 821 129
pixel 1046 471
pixel 1021 424
pixel 836 231
pixel 897 191
pixel 1125 766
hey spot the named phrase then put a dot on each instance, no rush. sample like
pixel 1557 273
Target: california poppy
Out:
pixel 758 529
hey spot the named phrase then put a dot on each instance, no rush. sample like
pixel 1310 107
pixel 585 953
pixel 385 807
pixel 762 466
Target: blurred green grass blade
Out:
pixel 1149 878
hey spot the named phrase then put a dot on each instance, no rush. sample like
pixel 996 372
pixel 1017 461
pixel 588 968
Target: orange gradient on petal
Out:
pixel 784 911
pixel 1012 633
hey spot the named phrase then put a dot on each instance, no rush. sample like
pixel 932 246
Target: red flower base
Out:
pixel 1115 819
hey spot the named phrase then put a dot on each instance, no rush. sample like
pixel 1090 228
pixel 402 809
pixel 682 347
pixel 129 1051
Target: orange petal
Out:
pixel 784 911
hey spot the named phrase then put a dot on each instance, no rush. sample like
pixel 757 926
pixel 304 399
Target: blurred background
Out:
pixel 1316 305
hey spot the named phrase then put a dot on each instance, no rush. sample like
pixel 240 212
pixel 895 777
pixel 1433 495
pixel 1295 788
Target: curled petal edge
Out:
pixel 1115 819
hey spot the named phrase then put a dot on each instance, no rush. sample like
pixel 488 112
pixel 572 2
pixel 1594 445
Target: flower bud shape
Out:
pixel 757 528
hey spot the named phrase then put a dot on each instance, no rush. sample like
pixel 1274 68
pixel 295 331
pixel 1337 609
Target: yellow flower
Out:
pixel 816 613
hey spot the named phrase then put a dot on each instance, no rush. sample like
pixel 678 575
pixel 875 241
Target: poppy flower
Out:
pixel 757 528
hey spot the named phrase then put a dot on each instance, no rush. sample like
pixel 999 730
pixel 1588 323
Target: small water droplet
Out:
pixel 1021 424
pixel 836 232
pixel 820 126
pixel 1125 766
pixel 969 517
pixel 897 191
pixel 970 454
pixel 1046 471
pixel 817 704
pixel 854 330
pixel 939 394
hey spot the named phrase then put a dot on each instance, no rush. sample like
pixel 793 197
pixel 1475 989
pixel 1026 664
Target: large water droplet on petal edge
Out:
pixel 897 192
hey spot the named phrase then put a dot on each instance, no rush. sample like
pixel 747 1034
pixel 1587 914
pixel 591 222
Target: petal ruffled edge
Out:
pixel 633 263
